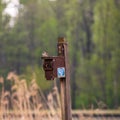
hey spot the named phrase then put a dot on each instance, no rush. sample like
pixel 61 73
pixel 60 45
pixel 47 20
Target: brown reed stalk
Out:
pixel 27 101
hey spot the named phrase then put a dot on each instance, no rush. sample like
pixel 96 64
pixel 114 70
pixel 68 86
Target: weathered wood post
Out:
pixel 65 81
pixel 58 67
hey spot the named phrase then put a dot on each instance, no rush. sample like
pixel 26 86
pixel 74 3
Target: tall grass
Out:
pixel 27 102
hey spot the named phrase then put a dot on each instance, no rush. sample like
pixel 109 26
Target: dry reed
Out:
pixel 27 102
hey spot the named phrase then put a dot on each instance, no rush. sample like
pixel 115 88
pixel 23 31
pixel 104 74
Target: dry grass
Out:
pixel 27 102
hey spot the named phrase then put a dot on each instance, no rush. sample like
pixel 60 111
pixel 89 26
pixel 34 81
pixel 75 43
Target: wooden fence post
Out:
pixel 65 81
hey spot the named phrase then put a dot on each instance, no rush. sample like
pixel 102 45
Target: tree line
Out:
pixel 92 29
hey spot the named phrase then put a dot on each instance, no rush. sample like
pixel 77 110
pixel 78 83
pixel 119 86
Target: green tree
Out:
pixel 34 30
pixel 4 27
pixel 106 38
pixel 79 20
pixel 92 30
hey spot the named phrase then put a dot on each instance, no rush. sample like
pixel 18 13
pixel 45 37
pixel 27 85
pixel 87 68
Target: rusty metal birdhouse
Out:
pixel 54 67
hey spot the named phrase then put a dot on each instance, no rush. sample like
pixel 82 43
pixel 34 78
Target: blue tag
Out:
pixel 61 72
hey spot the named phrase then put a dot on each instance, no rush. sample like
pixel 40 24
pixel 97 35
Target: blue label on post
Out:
pixel 61 72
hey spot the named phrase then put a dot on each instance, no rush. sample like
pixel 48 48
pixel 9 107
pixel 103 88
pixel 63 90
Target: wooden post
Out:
pixel 65 82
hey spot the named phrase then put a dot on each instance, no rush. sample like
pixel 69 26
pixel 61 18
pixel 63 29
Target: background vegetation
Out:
pixel 92 28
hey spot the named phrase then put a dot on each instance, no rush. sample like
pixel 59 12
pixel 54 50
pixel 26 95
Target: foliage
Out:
pixel 92 28
pixel 106 35
pixel 38 75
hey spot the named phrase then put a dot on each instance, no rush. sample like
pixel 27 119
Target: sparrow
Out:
pixel 44 54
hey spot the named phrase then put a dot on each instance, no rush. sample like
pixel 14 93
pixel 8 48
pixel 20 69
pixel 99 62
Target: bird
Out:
pixel 44 54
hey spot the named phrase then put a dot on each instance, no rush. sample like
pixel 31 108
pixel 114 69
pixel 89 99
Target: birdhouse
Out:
pixel 54 67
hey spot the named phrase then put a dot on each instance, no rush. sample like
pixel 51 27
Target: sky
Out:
pixel 12 7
